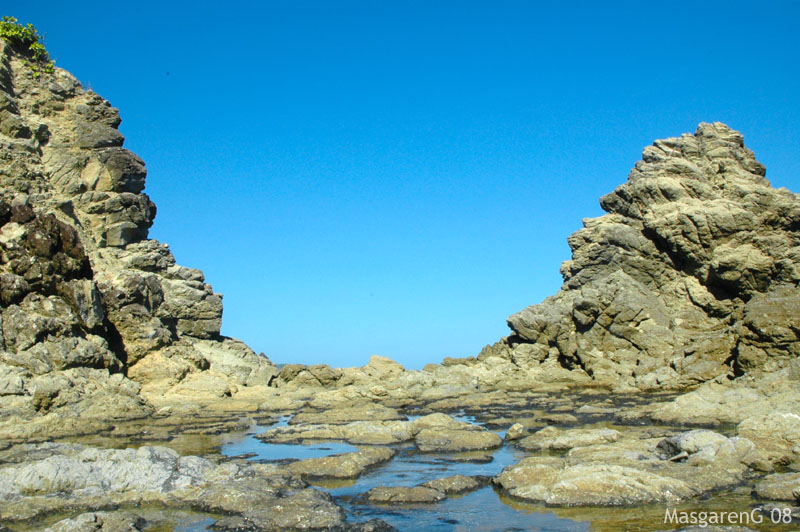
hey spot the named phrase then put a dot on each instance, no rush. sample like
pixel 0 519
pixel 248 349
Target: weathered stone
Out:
pixel 450 440
pixel 404 495
pixel 456 484
pixel 359 412
pixel 692 276
pixel 80 285
pixel 782 487
pixel 349 465
pixel 56 474
pixel 551 481
pixel 100 521
pixel 516 431
pixel 776 433
pixel 553 439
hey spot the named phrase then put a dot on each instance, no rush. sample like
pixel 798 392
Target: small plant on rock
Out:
pixel 27 40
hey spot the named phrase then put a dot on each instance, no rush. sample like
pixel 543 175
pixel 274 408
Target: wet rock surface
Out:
pixel 404 495
pixel 434 432
pixel 636 468
pixel 350 465
pixel 782 487
pixel 430 492
pixel 265 496
pixel 101 521
pixel 553 439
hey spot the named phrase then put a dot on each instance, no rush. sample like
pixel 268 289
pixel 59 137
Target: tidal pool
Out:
pixel 257 450
pixel 486 509
pixel 481 510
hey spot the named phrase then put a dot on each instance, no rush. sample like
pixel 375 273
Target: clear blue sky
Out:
pixel 399 177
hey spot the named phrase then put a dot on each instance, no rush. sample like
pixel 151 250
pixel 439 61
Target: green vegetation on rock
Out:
pixel 28 39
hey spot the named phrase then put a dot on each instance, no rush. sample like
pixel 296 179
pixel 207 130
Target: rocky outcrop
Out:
pixel 635 470
pixel 55 476
pixel 692 276
pixel 553 439
pixel 90 306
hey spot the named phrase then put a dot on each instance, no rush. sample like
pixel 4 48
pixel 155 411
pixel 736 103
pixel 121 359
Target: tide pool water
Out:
pixel 481 510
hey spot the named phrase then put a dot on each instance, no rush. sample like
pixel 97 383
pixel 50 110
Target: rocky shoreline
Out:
pixel 665 372
pixel 573 457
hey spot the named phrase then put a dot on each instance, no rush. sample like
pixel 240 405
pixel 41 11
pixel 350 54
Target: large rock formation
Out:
pixel 95 317
pixel 692 275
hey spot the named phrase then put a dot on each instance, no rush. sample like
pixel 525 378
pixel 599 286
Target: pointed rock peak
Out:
pixel 693 275
pixel 711 164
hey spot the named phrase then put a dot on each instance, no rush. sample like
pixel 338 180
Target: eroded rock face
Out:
pixel 691 276
pixel 81 286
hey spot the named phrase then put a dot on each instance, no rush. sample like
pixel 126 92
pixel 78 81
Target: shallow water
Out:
pixel 486 509
pixel 481 510
pixel 254 449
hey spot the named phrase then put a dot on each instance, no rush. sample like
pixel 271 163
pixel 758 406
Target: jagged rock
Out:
pixel 80 284
pixel 691 277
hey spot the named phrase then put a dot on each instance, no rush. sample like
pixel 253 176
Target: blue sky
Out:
pixel 399 177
